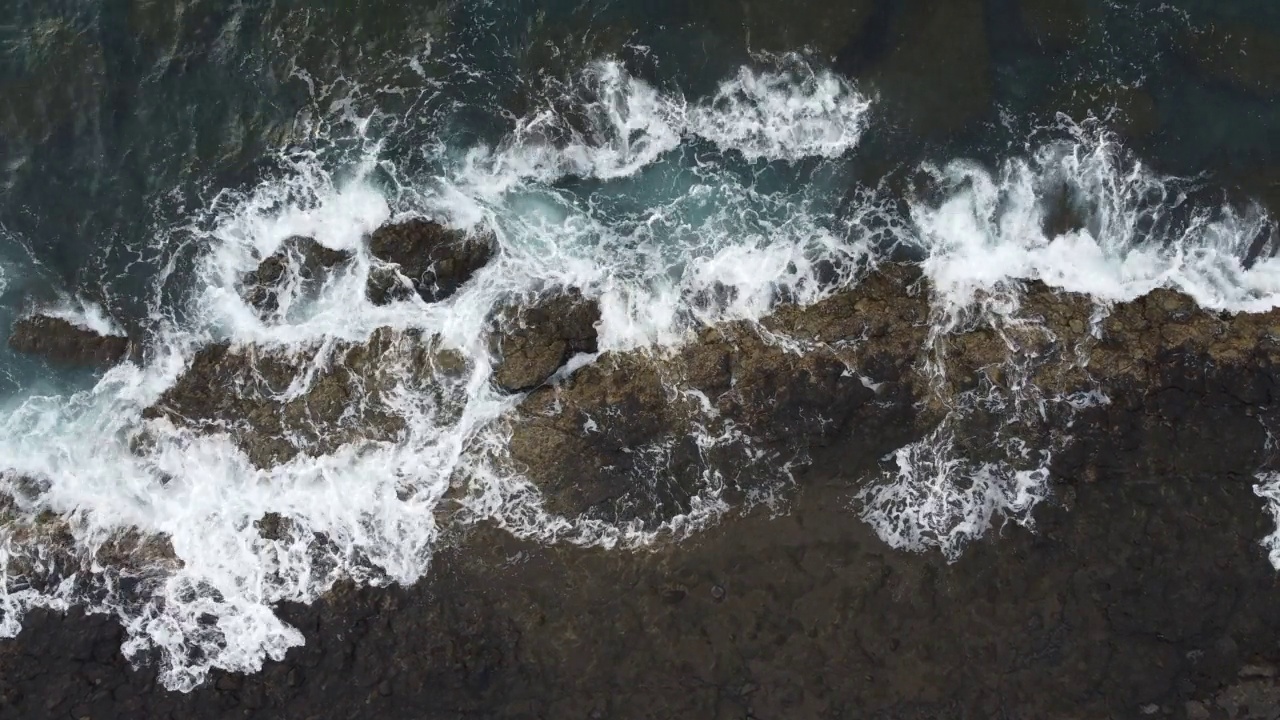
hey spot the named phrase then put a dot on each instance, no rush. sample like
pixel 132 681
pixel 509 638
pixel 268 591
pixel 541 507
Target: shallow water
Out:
pixel 646 153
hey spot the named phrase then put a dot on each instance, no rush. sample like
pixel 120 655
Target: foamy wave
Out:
pixel 369 513
pixel 784 115
pixel 937 498
pixel 84 314
pixel 1138 230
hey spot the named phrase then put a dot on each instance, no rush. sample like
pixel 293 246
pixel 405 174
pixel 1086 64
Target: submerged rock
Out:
pixel 823 27
pixel 1243 57
pixel 935 72
pixel 534 342
pixel 1055 24
pixel 299 259
pixel 426 256
pixel 65 343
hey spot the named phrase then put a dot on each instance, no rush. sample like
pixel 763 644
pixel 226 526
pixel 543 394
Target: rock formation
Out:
pixel 1103 610
pixel 424 257
pixel 65 343
pixel 534 342
pixel 273 412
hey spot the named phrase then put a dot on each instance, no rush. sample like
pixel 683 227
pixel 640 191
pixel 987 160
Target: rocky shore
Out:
pixel 1142 590
pixel 1142 593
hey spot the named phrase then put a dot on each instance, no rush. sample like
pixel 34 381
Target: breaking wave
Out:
pixel 643 200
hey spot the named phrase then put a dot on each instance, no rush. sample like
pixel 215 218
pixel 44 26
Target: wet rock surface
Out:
pixel 299 260
pixel 65 343
pixel 426 257
pixel 275 405
pixel 533 342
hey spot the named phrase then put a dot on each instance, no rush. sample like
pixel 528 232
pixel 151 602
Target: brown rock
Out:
pixel 433 259
pixel 238 390
pixel 65 343
pixel 536 341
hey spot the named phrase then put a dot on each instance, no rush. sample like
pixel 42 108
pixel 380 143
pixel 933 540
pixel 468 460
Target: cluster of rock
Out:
pixel 638 434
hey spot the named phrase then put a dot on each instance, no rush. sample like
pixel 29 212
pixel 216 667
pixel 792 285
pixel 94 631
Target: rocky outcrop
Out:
pixel 277 405
pixel 1141 593
pixel 65 343
pixel 638 435
pixel 533 342
pixel 424 257
pixel 300 260
pixel 635 436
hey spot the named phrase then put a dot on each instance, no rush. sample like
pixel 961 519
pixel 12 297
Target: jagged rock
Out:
pixel 433 259
pixel 299 259
pixel 636 435
pixel 241 390
pixel 1143 585
pixel 65 343
pixel 534 342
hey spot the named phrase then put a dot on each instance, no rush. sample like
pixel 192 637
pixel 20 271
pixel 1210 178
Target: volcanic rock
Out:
pixel 535 341
pixel 432 259
pixel 65 343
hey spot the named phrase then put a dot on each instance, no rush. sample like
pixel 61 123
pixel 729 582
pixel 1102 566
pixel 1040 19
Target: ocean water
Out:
pixel 645 153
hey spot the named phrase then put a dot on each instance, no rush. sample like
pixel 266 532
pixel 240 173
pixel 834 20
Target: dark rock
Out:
pixel 435 260
pixel 628 437
pixel 533 342
pixel 386 286
pixel 1143 586
pixel 299 259
pixel 65 343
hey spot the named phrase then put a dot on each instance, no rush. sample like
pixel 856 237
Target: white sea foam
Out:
pixel 1140 231
pixel 1268 488
pixel 983 233
pixel 783 115
pixel 669 241
pixel 85 314
pixel 938 498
